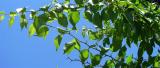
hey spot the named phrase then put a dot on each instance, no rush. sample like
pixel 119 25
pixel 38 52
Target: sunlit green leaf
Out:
pixel 84 55
pixel 43 31
pixel 1 17
pixel 57 41
pixel 32 30
pixel 12 18
pixel 129 59
pixel 109 63
pixel 2 12
pixel 67 1
pixel 77 45
pixel 92 35
pixel 74 17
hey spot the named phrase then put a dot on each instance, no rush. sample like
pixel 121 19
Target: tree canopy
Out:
pixel 118 24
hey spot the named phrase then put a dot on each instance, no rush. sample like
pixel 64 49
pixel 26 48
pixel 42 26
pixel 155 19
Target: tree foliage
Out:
pixel 118 25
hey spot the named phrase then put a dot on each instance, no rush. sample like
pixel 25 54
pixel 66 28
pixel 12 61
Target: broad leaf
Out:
pixel 2 12
pixel 32 30
pixel 97 20
pixel 96 60
pixel 84 55
pixel 129 59
pixel 12 18
pixel 43 31
pixel 1 17
pixel 57 41
pixel 62 20
pixel 69 47
pixel 23 21
pixel 74 17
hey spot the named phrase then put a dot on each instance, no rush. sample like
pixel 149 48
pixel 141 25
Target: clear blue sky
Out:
pixel 17 50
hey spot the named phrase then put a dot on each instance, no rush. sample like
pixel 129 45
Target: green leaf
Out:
pixel 84 55
pixel 69 47
pixel 2 12
pixel 12 18
pixel 96 60
pixel 106 41
pixel 1 17
pixel 74 17
pixel 92 35
pixel 57 41
pixel 67 1
pixel 122 52
pixel 141 49
pixel 96 1
pixel 129 59
pixel 11 21
pixel 77 46
pixel 32 30
pixel 88 15
pixel 108 64
pixel 21 10
pixel 40 20
pixel 103 50
pixel 62 31
pixel 97 20
pixel 23 21
pixel 33 14
pixel 157 64
pixel 79 1
pixel 62 20
pixel 43 31
pixel 116 43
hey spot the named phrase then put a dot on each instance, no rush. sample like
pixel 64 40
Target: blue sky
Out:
pixel 17 50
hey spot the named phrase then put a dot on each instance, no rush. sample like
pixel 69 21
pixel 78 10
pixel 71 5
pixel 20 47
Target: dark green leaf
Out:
pixel 79 1
pixel 122 52
pixel 62 20
pixel 97 20
pixel 69 47
pixel 62 31
pixel 77 46
pixel 116 43
pixel 88 15
pixel 23 21
pixel 21 10
pixel 96 60
pixel 106 41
